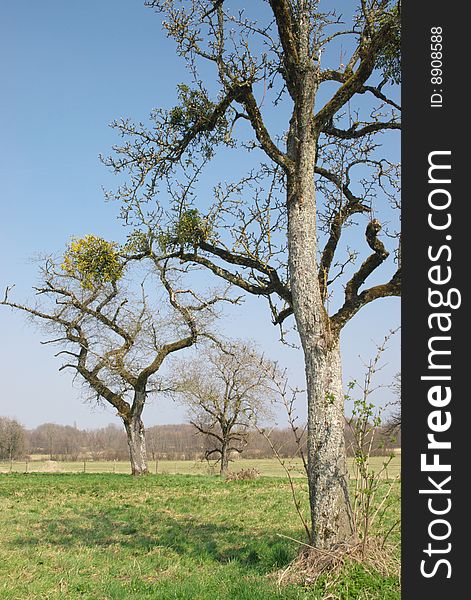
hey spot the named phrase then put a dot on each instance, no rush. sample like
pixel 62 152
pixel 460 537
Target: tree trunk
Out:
pixel 331 517
pixel 137 444
pixel 331 514
pixel 224 460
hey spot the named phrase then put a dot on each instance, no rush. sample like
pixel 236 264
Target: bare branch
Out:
pixel 353 305
pixel 354 132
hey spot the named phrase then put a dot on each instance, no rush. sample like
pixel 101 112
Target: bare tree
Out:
pixel 12 438
pixel 225 391
pixel 309 93
pixel 116 341
pixel 46 439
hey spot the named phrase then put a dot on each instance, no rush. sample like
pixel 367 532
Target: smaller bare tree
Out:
pixel 226 391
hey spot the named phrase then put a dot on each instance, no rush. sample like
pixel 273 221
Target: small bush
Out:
pixel 242 475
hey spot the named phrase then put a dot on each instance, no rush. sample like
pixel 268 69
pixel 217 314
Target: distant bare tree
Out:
pixel 12 438
pixel 46 438
pixel 111 336
pixel 152 442
pixel 225 391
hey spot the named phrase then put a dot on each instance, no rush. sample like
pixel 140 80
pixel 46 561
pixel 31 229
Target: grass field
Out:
pixel 183 537
pixel 269 467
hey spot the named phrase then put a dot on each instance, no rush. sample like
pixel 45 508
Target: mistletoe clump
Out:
pixel 196 111
pixel 93 260
pixel 189 231
pixel 389 56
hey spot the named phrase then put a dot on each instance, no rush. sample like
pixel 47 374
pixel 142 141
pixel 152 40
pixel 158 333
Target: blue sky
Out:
pixel 67 70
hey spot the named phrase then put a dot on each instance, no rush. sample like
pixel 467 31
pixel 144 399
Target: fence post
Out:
pixel 26 466
pixel 156 465
pixel 84 466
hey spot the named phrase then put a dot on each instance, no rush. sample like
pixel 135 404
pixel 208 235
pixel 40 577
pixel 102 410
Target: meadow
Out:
pixel 268 467
pixel 111 536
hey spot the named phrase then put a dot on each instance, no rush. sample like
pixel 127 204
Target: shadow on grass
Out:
pixel 185 536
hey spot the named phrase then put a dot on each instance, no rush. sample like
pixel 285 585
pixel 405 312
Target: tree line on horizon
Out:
pixel 164 442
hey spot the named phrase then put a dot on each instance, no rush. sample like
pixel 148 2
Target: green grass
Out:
pixel 111 536
pixel 269 467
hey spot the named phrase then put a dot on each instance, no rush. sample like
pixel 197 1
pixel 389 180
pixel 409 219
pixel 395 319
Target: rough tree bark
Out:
pixel 330 506
pixel 224 459
pixel 137 445
pixel 327 470
pixel 329 501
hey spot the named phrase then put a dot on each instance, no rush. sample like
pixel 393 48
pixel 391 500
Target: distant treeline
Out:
pixel 171 442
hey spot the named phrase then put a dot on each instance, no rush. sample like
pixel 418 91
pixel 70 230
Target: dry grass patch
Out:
pixel 332 566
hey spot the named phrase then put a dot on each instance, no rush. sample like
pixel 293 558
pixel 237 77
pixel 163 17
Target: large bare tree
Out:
pixel 115 339
pixel 226 390
pixel 309 93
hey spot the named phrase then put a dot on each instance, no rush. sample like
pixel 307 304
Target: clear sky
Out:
pixel 67 70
